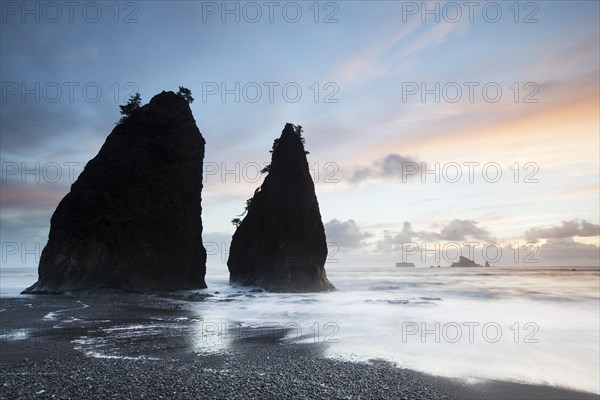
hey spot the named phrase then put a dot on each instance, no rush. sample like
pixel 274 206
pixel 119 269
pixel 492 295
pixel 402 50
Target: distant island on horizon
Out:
pixel 463 262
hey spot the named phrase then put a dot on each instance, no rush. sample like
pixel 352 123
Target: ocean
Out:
pixel 531 325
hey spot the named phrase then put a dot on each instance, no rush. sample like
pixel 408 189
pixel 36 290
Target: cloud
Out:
pixel 388 53
pixel 568 229
pixel 30 128
pixel 567 252
pixel 434 36
pixel 219 238
pixel 393 242
pixel 83 52
pixel 461 229
pixel 44 197
pixel 455 230
pixel 393 167
pixel 345 233
pixel 558 249
pixel 24 225
pixel 367 63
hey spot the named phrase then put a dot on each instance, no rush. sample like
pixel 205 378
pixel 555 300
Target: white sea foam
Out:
pixel 528 325
pixel 15 334
pixel 97 354
pixel 52 316
pixel 103 347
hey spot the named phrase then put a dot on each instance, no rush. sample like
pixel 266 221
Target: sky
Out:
pixel 434 128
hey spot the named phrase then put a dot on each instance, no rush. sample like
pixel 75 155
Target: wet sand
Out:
pixel 133 346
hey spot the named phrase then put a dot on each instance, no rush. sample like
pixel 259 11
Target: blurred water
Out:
pixel 534 325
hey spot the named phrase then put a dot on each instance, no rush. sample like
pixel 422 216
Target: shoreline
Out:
pixel 148 345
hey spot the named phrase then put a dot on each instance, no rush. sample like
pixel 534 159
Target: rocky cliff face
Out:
pixel 132 220
pixel 280 245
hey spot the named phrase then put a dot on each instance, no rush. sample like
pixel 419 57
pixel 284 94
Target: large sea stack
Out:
pixel 132 220
pixel 280 245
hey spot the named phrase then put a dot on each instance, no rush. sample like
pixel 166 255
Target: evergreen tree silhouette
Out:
pixel 185 94
pixel 135 102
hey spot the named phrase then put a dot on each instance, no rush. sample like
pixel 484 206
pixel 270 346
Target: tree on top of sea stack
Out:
pixel 134 102
pixel 280 245
pixel 185 94
pixel 132 220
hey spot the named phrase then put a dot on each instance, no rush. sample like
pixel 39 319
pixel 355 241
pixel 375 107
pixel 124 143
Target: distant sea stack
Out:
pixel 405 265
pixel 280 245
pixel 465 262
pixel 132 220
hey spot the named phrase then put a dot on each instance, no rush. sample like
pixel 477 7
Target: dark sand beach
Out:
pixel 139 346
